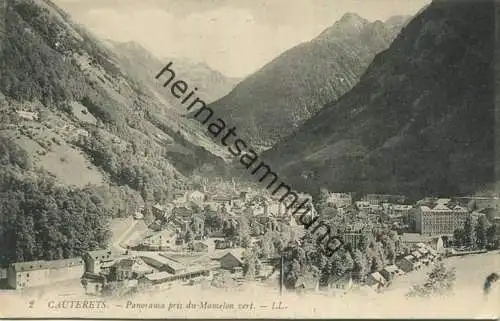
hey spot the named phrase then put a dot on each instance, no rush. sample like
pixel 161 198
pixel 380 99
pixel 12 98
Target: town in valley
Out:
pixel 226 236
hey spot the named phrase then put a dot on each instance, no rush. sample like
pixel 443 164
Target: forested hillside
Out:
pixel 80 138
pixel 421 120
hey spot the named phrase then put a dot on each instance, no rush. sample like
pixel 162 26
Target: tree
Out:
pixel 389 248
pixel 468 231
pixel 250 262
pixel 339 264
pixel 359 264
pixel 189 236
pixel 267 249
pixel 85 284
pixel 440 281
pixel 459 237
pixel 362 243
pixel 480 229
pixel 243 232
pixel 491 236
pixel 472 205
pixel 223 279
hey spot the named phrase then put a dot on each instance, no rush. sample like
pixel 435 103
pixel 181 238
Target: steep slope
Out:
pixel 143 65
pixel 421 119
pixel 275 100
pixel 90 116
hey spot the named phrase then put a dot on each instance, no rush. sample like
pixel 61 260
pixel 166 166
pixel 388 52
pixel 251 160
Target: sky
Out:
pixel 235 37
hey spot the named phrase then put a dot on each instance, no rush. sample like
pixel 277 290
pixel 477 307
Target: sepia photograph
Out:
pixel 230 159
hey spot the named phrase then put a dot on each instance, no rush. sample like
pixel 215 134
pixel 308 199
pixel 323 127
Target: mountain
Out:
pixel 420 121
pixel 276 99
pixel 79 112
pixel 139 62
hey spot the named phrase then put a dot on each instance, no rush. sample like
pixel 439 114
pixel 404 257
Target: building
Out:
pixel 439 220
pixel 390 272
pixel 183 213
pixel 95 260
pixel 399 210
pixel 413 239
pixel 339 200
pixel 362 205
pixel 408 263
pixel 159 211
pixel 163 263
pixel 232 259
pixel 129 268
pixel 39 273
pixel 160 241
pixel 378 199
pixel 479 202
pixel 352 238
pixel 196 197
pixel 164 276
pixel 198 246
pixel 223 244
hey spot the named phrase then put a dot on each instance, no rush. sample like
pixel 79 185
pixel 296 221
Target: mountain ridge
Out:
pixel 420 120
pixel 276 99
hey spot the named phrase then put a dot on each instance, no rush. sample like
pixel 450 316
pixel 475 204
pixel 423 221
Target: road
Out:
pixel 121 238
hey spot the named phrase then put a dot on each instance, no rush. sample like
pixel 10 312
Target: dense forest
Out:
pixel 41 220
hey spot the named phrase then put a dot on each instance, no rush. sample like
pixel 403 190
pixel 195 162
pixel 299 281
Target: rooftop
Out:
pixel 108 254
pixel 158 276
pixel 42 264
pixel 415 238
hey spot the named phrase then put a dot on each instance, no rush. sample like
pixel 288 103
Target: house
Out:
pixel 339 200
pixel 226 200
pixel 39 273
pixel 195 197
pixel 390 272
pixel 232 259
pixel 223 244
pixel 182 212
pixel 412 239
pixel 95 259
pixel 160 241
pixel 362 205
pixel 417 255
pixel 129 268
pixel 407 264
pixel 399 210
pixel 443 201
pixel 376 280
pixel 198 246
pixel 198 224
pixel 159 211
